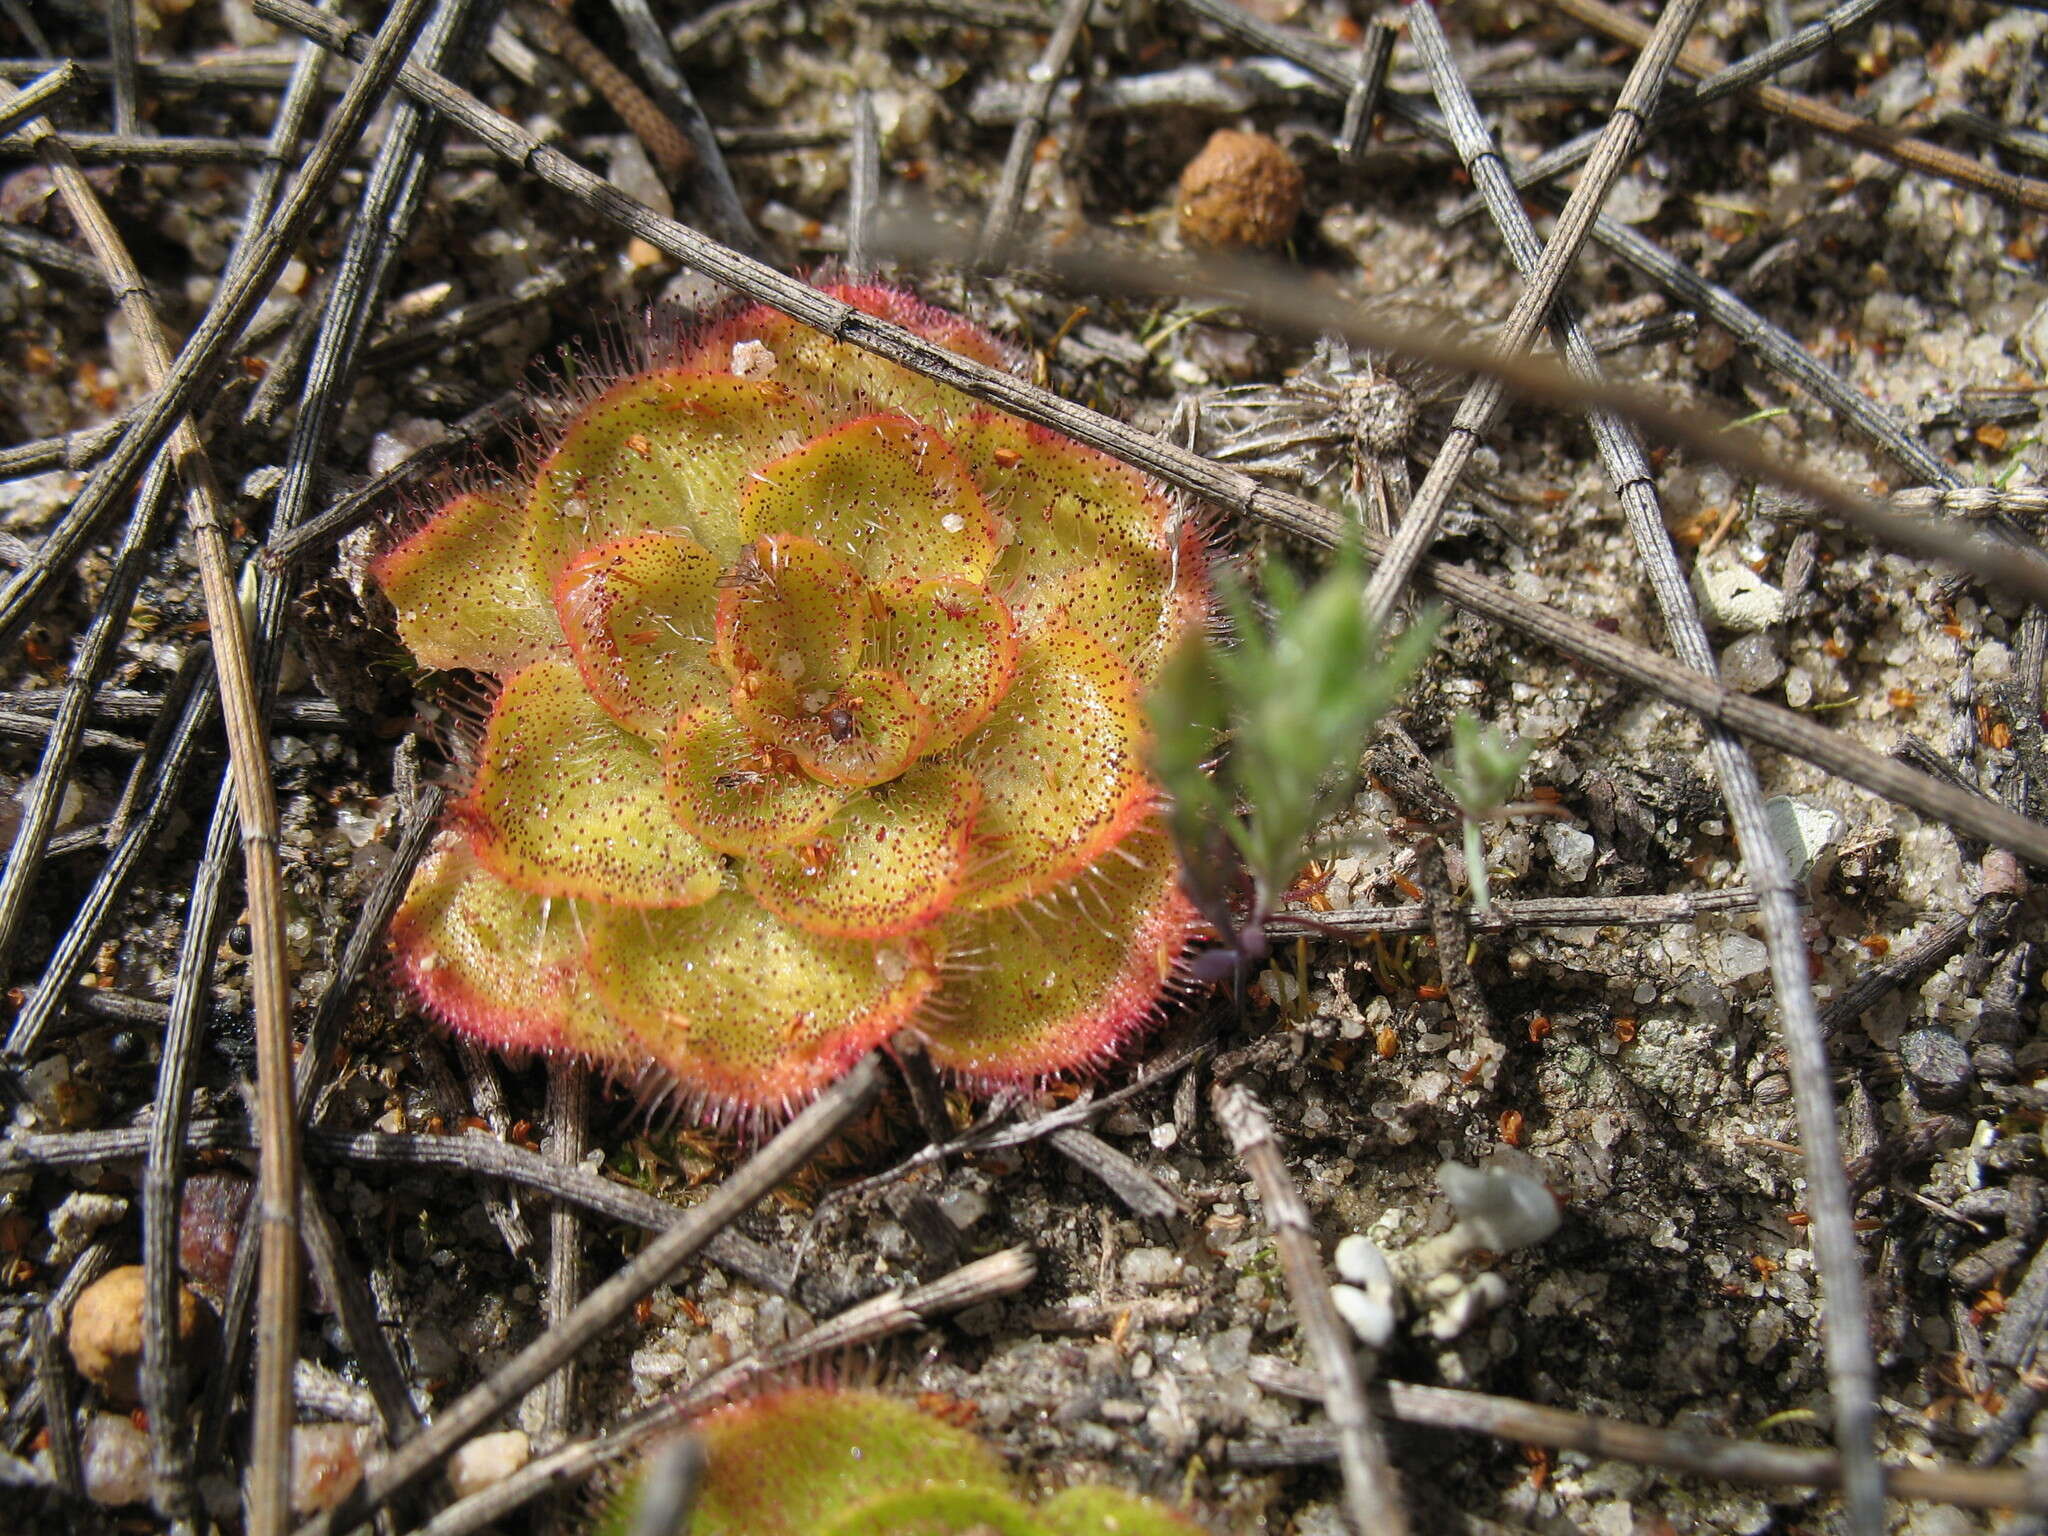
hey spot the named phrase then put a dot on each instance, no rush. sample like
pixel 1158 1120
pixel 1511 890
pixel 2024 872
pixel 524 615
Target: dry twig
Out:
pixel 1372 1495
pixel 651 126
pixel 1544 281
pixel 1007 201
pixel 1916 154
pixel 33 99
pixel 1735 1461
pixel 1449 926
pixel 568 1111
pixel 990 1279
pixel 1782 54
pixel 864 186
pixel 177 383
pixel 658 1262
pixel 1504 915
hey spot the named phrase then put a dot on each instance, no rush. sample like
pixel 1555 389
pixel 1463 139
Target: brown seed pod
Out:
pixel 1243 191
pixel 105 1335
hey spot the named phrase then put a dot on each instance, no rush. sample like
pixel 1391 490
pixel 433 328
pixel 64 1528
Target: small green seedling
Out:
pixel 1298 700
pixel 1485 768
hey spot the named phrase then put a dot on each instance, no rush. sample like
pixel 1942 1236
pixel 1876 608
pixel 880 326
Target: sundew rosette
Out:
pixel 808 1461
pixel 816 714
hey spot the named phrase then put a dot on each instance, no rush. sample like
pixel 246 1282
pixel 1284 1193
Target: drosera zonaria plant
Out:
pixel 816 713
pixel 810 1461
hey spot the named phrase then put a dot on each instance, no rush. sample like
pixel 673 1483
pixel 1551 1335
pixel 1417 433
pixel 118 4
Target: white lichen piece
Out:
pixel 1360 1261
pixel 1371 1318
pixel 115 1461
pixel 1734 597
pixel 1467 1305
pixel 1803 831
pixel 78 1220
pixel 1370 1302
pixel 1500 1208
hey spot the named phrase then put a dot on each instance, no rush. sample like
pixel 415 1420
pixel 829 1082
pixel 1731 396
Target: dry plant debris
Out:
pixel 1723 1046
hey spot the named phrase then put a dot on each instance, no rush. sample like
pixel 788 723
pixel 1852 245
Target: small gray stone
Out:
pixel 1938 1065
pixel 1150 1268
pixel 1804 831
pixel 1752 663
pixel 979 1322
pixel 115 1460
pixel 1742 956
pixel 1698 992
pixel 1571 851
pixel 963 1207
pixel 1995 1062
pixel 1229 1351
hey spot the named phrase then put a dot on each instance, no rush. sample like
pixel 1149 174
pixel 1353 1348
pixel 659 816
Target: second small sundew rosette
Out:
pixel 817 715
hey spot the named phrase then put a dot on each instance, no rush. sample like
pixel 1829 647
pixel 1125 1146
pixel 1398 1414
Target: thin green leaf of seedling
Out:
pixel 1485 768
pixel 1298 698
pixel 1754 418
pixel 2016 462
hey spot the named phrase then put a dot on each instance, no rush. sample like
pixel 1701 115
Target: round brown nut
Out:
pixel 106 1331
pixel 1243 191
